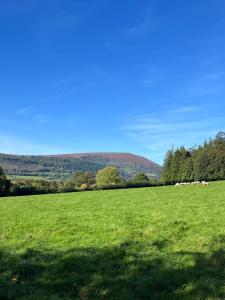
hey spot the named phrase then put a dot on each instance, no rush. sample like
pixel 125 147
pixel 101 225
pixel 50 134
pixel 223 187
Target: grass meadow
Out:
pixel 147 243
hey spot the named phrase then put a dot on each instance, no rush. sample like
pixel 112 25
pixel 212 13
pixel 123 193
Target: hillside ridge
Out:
pixel 62 166
pixel 110 155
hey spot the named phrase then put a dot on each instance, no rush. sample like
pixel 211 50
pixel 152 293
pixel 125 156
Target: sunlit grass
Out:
pixel 148 243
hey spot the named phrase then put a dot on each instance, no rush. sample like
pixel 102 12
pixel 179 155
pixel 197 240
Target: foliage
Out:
pixel 4 183
pixel 83 187
pixel 80 181
pixel 147 243
pixel 62 168
pixel 140 178
pixel 108 176
pixel 81 178
pixel 207 162
pixel 32 187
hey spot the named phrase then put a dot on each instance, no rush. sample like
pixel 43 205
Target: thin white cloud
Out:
pixel 206 85
pixel 15 145
pixel 161 133
pixel 144 25
pixel 23 110
pixel 41 119
pixel 161 126
pixel 61 95
pixel 214 76
pixel 186 109
pixel 139 29
pixel 152 77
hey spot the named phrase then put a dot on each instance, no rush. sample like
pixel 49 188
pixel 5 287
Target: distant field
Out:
pixel 148 243
pixel 18 177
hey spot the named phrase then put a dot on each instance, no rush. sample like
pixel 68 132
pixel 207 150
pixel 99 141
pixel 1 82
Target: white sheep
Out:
pixel 204 183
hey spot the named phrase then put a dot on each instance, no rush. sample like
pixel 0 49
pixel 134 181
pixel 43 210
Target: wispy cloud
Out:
pixel 160 126
pixel 214 76
pixel 140 29
pixel 15 145
pixel 159 133
pixel 208 84
pixel 186 109
pixel 143 26
pixel 40 119
pixel 152 77
pixel 23 110
pixel 61 95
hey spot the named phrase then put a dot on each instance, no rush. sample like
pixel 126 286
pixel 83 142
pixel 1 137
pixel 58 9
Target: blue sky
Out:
pixel 106 75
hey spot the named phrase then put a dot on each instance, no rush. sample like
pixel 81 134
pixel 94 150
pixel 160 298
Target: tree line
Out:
pixel 106 178
pixel 206 162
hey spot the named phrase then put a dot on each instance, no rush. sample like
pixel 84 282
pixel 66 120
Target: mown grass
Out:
pixel 149 243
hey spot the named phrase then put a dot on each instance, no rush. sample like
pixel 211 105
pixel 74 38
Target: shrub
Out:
pixel 108 176
pixel 83 187
pixel 4 183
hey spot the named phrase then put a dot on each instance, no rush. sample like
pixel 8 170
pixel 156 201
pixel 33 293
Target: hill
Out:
pixel 62 166
pixel 147 243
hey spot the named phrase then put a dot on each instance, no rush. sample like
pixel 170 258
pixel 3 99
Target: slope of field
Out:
pixel 149 243
pixel 64 165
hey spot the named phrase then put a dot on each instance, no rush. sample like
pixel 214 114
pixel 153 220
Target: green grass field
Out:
pixel 148 243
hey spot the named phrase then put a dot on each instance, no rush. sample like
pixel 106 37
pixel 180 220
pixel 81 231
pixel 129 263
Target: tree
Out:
pixel 217 157
pixel 207 162
pixel 220 137
pixel 185 165
pixel 175 167
pixel 188 173
pixel 141 178
pixel 53 187
pixel 166 171
pixel 108 176
pixel 4 183
pixel 81 178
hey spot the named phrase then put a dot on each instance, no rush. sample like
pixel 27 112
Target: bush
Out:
pixel 80 178
pixel 108 176
pixel 83 187
pixel 4 183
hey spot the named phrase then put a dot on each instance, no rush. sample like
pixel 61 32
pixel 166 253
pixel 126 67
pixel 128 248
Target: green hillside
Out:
pixel 64 166
pixel 148 243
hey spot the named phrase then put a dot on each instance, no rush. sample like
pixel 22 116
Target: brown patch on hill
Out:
pixel 122 157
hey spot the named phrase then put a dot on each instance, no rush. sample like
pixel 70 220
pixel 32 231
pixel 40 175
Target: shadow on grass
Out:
pixel 129 271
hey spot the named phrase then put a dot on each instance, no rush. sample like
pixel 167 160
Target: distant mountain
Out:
pixel 62 166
